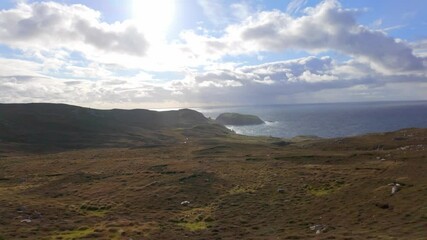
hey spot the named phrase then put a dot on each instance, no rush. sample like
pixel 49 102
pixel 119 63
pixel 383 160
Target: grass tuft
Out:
pixel 75 234
pixel 325 189
pixel 194 226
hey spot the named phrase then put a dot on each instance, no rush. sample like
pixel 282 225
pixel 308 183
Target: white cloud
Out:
pixel 220 84
pixel 288 81
pixel 10 67
pixel 420 48
pixel 48 35
pixel 313 77
pixel 81 92
pixel 49 25
pixel 327 26
pixel 241 10
pixel 278 82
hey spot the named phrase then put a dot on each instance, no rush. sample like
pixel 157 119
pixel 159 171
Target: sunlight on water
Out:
pixel 329 120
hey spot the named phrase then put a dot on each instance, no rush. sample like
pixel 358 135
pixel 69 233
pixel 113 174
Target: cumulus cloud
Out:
pixel 283 74
pixel 327 26
pixel 264 83
pixel 48 25
pixel 92 85
pixel 420 47
pixel 279 82
pixel 116 67
pixel 110 92
pixel 297 80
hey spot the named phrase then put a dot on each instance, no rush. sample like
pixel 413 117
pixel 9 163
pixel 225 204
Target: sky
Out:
pixel 196 53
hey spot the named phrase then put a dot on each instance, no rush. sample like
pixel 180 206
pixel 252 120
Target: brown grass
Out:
pixel 121 193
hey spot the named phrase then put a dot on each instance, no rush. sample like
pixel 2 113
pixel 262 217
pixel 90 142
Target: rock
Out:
pixel 185 203
pixel 237 119
pixel 395 187
pixel 319 228
pixel 281 190
pixel 26 220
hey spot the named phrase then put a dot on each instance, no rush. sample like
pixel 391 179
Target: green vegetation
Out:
pixel 238 119
pixel 94 209
pixel 72 127
pixel 320 191
pixel 325 189
pixel 97 213
pixel 241 189
pixel 194 226
pixel 71 235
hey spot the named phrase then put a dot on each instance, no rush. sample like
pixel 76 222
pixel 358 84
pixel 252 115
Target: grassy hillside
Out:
pixel 237 187
pixel 59 126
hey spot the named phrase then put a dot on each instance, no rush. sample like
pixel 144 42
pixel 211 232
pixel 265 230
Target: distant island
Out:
pixel 238 119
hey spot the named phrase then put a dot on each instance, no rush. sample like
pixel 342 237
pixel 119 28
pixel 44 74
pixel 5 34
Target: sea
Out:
pixel 328 120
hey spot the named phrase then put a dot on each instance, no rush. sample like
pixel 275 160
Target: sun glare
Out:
pixel 154 16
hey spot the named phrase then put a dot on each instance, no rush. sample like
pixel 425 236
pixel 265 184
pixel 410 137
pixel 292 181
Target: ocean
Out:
pixel 328 120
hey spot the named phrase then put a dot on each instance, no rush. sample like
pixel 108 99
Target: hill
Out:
pixel 60 126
